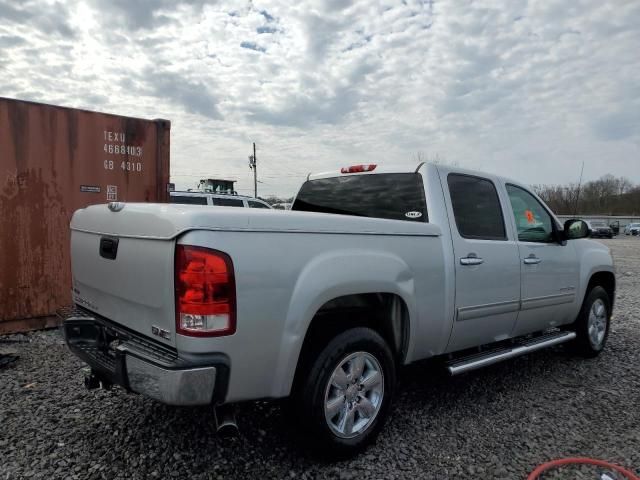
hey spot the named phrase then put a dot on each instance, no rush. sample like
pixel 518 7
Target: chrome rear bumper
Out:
pixel 119 356
pixel 191 386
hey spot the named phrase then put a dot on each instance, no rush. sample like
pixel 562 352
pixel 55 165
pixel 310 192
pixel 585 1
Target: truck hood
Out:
pixel 166 221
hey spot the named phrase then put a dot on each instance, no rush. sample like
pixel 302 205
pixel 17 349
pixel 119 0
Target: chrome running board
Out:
pixel 483 359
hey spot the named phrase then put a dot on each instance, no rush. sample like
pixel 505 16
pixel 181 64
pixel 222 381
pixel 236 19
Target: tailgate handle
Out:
pixel 108 248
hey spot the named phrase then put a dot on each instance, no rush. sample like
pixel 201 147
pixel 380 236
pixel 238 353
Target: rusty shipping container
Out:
pixel 54 160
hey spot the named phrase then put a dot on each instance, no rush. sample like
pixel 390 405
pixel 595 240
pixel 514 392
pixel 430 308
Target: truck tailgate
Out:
pixel 134 288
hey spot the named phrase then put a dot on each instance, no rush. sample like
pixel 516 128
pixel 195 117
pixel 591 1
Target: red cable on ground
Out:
pixel 583 461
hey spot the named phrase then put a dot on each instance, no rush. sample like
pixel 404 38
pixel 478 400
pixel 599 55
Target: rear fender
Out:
pixel 333 275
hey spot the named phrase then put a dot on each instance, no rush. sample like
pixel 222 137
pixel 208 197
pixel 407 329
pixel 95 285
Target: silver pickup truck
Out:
pixel 372 269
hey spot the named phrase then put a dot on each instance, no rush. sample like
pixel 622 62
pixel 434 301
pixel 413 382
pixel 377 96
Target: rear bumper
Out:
pixel 120 356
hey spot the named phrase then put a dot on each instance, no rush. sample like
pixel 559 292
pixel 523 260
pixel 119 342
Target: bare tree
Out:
pixel 436 159
pixel 608 195
pixel 624 185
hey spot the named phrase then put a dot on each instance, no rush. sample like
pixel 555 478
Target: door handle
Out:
pixel 532 260
pixel 471 259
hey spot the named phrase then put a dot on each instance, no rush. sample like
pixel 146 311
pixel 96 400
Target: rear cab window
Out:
pixel 394 196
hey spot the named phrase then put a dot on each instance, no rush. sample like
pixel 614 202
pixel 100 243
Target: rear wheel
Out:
pixel 344 395
pixel 592 325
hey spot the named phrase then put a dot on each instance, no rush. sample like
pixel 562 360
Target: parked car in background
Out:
pixel 217 199
pixel 632 229
pixel 600 229
pixel 615 227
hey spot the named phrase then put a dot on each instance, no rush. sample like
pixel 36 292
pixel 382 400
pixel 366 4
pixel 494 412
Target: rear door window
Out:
pixel 227 202
pixel 476 207
pixel 396 196
pixel 188 199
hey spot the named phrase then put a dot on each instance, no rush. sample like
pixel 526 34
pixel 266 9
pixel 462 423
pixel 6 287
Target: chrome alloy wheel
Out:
pixel 354 394
pixel 597 325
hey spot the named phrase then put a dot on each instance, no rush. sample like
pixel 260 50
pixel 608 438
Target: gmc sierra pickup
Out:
pixel 372 269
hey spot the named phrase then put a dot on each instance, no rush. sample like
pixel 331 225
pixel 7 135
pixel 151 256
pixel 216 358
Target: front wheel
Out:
pixel 592 324
pixel 344 395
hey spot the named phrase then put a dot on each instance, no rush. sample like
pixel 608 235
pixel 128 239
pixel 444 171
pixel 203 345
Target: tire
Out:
pixel 362 400
pixel 594 317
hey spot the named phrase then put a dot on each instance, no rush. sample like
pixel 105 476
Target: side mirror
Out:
pixel 575 228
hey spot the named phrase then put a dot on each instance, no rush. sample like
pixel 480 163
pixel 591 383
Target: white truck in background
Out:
pixel 372 269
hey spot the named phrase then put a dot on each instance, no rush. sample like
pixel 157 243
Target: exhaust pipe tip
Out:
pixel 93 381
pixel 226 425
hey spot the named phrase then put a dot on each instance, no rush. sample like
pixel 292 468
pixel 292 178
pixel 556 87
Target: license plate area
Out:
pixel 95 343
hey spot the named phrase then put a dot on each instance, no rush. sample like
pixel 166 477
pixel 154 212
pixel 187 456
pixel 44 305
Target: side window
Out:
pixel 476 207
pixel 254 204
pixel 533 222
pixel 227 202
pixel 188 199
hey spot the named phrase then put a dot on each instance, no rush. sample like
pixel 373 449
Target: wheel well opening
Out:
pixel 606 280
pixel 386 313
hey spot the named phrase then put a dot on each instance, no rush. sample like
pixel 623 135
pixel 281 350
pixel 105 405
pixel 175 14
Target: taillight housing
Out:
pixel 359 168
pixel 205 292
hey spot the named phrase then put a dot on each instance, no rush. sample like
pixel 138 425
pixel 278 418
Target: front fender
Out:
pixel 329 276
pixel 593 257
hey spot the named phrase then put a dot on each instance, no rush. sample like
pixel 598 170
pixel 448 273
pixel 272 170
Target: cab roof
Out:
pixel 368 169
pixel 373 169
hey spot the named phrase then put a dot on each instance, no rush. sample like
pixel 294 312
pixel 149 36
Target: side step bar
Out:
pixel 483 359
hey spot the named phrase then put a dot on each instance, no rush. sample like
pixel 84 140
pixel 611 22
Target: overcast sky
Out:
pixel 524 89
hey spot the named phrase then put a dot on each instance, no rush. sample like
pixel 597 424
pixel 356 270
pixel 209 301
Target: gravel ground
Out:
pixel 499 422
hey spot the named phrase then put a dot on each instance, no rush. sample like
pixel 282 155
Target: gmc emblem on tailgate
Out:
pixel 161 332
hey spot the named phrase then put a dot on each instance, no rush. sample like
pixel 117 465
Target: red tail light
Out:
pixel 205 292
pixel 359 168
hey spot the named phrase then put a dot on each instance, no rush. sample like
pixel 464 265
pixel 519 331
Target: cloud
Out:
pixel 322 32
pixel 493 85
pixel 193 95
pixel 619 125
pixel 302 111
pixel 8 41
pixel 252 46
pixel 144 14
pixel 266 29
pixel 267 16
pixel 48 18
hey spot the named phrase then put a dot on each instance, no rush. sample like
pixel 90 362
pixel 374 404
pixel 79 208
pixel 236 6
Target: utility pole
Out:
pixel 253 166
pixel 575 210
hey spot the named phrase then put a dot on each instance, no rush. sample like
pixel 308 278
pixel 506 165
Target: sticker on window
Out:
pixel 413 214
pixel 530 217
